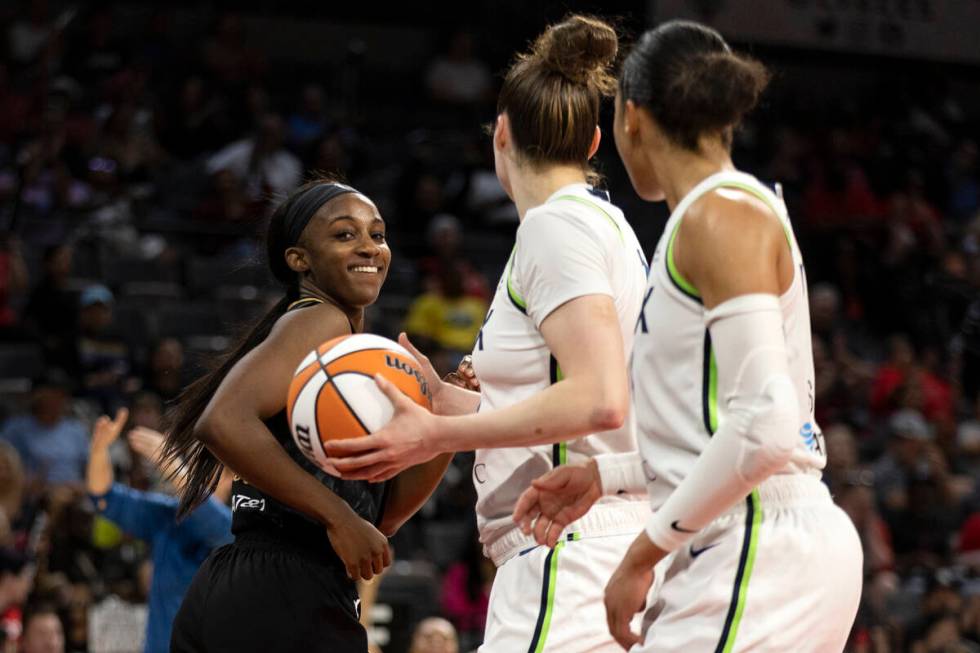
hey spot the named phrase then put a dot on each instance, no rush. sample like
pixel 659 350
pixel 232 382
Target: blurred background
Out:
pixel 142 147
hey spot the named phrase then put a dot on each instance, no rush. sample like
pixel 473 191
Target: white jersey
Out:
pixel 676 398
pixel 575 244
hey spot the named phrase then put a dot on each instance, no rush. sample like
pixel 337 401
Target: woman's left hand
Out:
pixel 404 442
pixel 628 587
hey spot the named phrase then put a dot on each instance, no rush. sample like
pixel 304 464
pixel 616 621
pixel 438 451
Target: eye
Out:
pixel 378 236
pixel 344 235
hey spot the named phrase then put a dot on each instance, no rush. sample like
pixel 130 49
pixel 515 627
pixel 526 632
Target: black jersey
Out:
pixel 256 511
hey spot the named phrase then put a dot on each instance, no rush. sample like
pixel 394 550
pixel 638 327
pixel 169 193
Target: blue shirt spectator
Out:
pixel 178 548
pixel 55 452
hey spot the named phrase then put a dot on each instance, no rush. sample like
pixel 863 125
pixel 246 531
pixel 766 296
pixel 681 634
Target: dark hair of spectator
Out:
pixel 691 82
pixel 202 467
pixel 551 94
pixel 12 562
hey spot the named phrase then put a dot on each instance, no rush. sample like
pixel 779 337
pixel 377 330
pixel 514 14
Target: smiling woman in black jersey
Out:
pixel 302 537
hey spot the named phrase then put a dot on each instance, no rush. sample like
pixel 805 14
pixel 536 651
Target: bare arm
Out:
pixel 593 395
pixel 410 490
pixel 98 474
pixel 232 427
pixel 583 335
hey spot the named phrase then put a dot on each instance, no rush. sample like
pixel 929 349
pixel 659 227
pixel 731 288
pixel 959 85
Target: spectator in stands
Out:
pixel 260 162
pixel 102 360
pixel 13 281
pixel 465 594
pixel 97 53
pixel 227 57
pixel 903 382
pixel 445 321
pixel 909 435
pixel 309 123
pixel 434 635
pixel 43 631
pixel 16 581
pixel 195 123
pixel 459 77
pixel 127 139
pixel 12 487
pixel 48 315
pixel 166 375
pixel 228 202
pixel 179 548
pixel 445 235
pixel 52 445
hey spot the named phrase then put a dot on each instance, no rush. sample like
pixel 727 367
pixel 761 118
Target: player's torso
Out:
pixel 513 363
pixel 677 401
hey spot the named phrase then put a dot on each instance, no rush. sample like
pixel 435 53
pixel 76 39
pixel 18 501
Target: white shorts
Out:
pixel 780 572
pixel 551 600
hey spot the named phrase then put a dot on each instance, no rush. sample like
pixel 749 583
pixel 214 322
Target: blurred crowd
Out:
pixel 138 163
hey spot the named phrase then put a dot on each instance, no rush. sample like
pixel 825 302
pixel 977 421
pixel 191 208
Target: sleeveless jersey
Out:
pixel 255 511
pixel 575 244
pixel 674 376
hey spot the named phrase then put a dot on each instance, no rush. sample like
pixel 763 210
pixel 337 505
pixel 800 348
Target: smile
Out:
pixel 368 269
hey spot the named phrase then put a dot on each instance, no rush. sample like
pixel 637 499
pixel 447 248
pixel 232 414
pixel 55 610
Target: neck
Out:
pixel 679 170
pixel 354 313
pixel 530 187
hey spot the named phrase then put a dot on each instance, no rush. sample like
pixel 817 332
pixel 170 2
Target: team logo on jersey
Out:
pixel 241 501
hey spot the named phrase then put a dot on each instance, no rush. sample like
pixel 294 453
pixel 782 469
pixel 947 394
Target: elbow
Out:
pixel 210 427
pixel 389 527
pixel 609 415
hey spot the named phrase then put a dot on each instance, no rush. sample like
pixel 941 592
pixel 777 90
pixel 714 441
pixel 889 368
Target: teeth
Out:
pixel 365 268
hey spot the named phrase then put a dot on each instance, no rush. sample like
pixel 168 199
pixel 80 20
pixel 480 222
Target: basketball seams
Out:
pixel 354 411
pixel 347 404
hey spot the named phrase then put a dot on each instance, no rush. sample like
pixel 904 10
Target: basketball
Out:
pixel 333 395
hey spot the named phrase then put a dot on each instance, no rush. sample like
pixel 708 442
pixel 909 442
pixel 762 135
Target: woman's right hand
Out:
pixel 437 385
pixel 363 548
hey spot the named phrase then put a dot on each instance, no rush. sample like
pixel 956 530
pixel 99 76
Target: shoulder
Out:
pixel 727 218
pixel 568 221
pixel 308 327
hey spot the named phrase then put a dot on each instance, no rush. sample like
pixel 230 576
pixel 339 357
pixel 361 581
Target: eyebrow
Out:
pixel 353 219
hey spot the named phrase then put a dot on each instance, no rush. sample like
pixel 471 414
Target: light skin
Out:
pixel 583 335
pixel 342 249
pixel 729 244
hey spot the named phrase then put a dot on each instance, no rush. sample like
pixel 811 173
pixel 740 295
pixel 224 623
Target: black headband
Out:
pixel 306 205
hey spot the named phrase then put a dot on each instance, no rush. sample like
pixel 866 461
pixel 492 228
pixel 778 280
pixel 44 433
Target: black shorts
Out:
pixel 259 594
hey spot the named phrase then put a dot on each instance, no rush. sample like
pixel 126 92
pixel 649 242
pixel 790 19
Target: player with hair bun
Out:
pixel 751 550
pixel 551 357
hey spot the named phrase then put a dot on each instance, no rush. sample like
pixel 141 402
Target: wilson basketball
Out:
pixel 333 395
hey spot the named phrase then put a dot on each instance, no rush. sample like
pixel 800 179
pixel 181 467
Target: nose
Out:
pixel 368 248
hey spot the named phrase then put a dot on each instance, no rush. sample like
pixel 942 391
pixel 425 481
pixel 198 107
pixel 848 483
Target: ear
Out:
pixel 596 139
pixel 501 133
pixel 631 118
pixel 297 259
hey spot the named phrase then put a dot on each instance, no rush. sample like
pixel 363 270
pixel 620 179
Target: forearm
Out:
pixel 411 489
pixel 98 474
pixel 453 400
pixel 555 414
pixel 248 448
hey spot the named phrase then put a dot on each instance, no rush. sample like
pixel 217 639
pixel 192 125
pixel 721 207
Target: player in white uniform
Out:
pixel 752 553
pixel 550 358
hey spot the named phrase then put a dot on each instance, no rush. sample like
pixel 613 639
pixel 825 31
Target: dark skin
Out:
pixel 342 249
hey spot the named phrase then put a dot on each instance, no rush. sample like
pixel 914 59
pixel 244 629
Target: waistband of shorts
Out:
pixel 317 551
pixel 603 520
pixel 787 491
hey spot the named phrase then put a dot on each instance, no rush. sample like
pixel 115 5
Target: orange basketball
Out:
pixel 333 395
